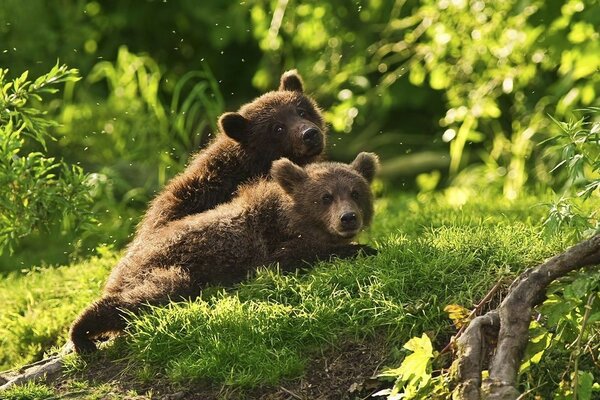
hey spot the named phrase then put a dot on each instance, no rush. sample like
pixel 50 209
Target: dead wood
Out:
pixel 510 325
pixel 46 369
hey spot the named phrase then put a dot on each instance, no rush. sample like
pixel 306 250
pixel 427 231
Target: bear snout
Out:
pixel 348 224
pixel 311 136
pixel 312 140
pixel 349 220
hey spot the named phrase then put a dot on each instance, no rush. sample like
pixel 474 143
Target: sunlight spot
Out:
pixel 507 85
pixel 345 94
pixel 537 57
pixel 459 3
pixel 448 135
pixel 478 6
pixel 109 128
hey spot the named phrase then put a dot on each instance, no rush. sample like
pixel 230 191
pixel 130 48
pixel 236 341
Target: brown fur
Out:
pixel 295 218
pixel 247 144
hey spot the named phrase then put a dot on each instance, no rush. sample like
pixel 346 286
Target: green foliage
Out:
pixel 485 72
pixel 566 334
pixel 578 144
pixel 38 190
pixel 133 125
pixel 414 378
pixel 568 327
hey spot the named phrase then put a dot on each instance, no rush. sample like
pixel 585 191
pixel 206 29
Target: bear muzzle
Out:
pixel 349 224
pixel 312 141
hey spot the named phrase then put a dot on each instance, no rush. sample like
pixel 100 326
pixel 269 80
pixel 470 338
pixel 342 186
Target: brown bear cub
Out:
pixel 281 123
pixel 302 215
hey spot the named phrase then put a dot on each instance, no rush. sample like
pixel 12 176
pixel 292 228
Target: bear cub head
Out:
pixel 281 123
pixel 332 202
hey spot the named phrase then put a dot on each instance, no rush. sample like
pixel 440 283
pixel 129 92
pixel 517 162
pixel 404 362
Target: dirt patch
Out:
pixel 341 373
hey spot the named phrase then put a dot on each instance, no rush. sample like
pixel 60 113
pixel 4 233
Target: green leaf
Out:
pixel 585 381
pixel 417 74
pixel 438 79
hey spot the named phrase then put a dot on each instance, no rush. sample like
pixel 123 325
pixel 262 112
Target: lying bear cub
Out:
pixel 302 215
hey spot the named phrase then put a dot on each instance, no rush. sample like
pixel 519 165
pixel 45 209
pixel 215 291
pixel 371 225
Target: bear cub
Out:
pixel 281 123
pixel 302 215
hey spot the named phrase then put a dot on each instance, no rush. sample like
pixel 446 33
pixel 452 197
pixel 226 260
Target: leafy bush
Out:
pixel 38 190
pixel 478 75
pixel 578 169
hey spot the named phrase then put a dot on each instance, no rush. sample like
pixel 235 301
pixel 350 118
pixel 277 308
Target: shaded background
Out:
pixel 447 91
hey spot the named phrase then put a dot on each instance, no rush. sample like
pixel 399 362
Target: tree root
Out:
pixel 509 324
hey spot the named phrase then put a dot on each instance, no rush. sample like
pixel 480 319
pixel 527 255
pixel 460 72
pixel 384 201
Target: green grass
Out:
pixel 37 307
pixel 28 391
pixel 433 252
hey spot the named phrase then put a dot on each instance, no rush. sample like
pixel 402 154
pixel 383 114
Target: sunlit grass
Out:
pixel 430 255
pixel 265 330
pixel 28 391
pixel 37 308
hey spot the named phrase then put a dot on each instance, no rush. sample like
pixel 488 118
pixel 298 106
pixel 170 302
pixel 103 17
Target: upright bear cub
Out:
pixel 301 216
pixel 282 123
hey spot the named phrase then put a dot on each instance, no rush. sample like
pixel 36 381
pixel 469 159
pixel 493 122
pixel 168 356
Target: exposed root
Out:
pixel 510 324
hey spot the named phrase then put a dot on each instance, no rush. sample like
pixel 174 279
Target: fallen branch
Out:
pixel 510 325
pixel 47 369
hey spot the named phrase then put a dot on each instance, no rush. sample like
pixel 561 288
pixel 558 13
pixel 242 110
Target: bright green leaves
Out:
pixel 16 97
pixel 414 376
pixel 569 326
pixel 578 167
pixel 37 190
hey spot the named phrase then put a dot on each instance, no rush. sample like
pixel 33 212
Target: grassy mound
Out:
pixel 431 254
pixel 434 250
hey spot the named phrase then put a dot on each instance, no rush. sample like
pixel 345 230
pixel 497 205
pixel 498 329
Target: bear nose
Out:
pixel 311 136
pixel 349 220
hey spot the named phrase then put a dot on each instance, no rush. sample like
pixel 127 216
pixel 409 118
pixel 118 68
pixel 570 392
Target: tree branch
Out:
pixel 514 315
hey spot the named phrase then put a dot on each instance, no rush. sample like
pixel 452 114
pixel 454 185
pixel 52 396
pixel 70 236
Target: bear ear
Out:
pixel 234 125
pixel 366 164
pixel 287 174
pixel 291 81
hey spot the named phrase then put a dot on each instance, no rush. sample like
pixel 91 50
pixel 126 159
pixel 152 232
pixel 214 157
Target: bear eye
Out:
pixel 354 194
pixel 301 113
pixel 327 199
pixel 279 129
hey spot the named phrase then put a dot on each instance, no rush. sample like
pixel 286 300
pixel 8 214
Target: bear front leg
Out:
pixel 294 255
